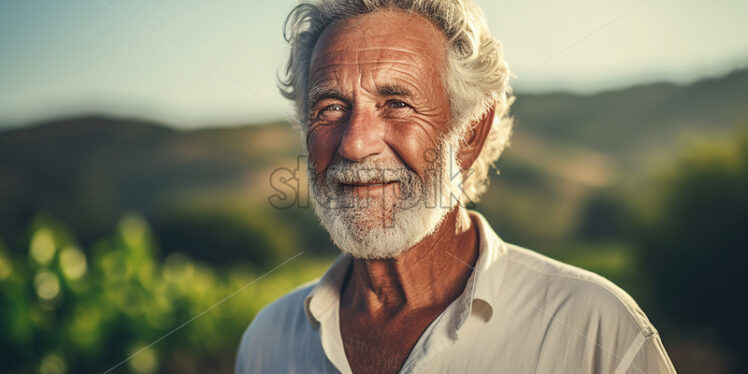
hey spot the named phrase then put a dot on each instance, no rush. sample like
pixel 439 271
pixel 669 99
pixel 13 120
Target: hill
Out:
pixel 202 188
pixel 628 124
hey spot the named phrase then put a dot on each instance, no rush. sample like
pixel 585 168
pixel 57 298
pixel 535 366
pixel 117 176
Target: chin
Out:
pixel 373 233
pixel 386 225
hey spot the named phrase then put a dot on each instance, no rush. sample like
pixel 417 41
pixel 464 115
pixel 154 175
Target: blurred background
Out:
pixel 137 142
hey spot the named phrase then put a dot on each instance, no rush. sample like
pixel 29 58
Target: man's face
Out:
pixel 379 116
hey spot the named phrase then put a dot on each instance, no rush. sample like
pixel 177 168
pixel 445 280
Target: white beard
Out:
pixel 385 226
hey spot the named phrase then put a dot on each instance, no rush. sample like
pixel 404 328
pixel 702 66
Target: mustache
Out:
pixel 348 172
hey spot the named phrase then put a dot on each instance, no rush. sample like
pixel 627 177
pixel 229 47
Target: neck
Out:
pixel 430 274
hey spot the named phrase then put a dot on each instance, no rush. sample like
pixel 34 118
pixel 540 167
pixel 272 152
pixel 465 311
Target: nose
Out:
pixel 363 137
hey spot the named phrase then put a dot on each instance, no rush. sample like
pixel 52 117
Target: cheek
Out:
pixel 322 144
pixel 415 146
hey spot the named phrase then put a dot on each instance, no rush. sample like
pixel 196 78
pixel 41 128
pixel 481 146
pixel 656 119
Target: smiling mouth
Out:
pixel 366 184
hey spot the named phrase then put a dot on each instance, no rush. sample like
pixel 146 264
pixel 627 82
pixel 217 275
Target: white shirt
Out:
pixel 520 312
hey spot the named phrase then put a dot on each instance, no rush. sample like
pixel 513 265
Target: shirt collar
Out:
pixel 326 294
pixel 479 295
pixel 482 288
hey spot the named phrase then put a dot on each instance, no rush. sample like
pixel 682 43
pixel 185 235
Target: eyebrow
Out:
pixel 393 90
pixel 317 94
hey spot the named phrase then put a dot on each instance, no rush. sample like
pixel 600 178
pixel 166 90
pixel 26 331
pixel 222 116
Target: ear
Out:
pixel 476 137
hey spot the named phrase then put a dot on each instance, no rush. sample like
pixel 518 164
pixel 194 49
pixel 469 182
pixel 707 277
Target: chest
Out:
pixel 382 346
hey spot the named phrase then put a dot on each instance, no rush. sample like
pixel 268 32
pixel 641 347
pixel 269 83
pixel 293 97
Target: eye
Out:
pixel 331 112
pixel 398 105
pixel 333 108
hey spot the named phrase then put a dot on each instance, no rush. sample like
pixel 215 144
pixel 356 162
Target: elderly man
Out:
pixel 403 105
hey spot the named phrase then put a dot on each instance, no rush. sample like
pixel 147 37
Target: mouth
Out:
pixel 367 185
pixel 371 188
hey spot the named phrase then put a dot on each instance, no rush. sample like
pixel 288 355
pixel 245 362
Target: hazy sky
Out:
pixel 192 63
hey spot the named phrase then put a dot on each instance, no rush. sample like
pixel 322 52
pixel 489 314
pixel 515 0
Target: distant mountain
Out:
pixel 88 171
pixel 629 124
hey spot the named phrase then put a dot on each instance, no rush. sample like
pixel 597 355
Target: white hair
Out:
pixel 477 76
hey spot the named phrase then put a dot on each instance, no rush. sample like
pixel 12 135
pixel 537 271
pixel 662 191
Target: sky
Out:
pixel 198 63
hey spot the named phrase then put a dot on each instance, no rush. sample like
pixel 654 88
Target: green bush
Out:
pixel 692 237
pixel 66 310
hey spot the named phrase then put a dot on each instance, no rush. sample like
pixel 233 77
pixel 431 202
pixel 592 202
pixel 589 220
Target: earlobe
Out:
pixel 476 139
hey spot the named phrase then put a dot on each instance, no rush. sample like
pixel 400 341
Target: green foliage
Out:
pixel 222 235
pixel 693 237
pixel 65 311
pixel 604 216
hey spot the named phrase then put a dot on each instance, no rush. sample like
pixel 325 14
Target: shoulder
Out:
pixel 289 305
pixel 276 316
pixel 576 289
pixel 274 327
pixel 581 314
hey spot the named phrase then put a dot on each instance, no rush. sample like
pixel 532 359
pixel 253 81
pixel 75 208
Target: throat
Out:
pixel 429 275
pixel 387 304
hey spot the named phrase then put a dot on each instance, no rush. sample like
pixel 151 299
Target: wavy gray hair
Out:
pixel 477 74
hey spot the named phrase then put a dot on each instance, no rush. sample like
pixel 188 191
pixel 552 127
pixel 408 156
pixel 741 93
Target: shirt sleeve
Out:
pixel 240 366
pixel 646 354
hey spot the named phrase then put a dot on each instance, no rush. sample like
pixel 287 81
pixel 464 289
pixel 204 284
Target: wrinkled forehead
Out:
pixel 388 37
